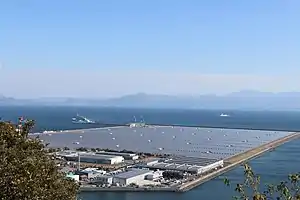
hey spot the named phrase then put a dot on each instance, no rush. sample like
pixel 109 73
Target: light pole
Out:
pixel 78 161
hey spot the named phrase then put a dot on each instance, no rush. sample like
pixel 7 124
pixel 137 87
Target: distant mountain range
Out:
pixel 244 100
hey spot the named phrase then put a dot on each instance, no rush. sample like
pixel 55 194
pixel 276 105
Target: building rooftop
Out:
pixel 99 156
pixel 132 173
pixel 190 160
pixel 115 153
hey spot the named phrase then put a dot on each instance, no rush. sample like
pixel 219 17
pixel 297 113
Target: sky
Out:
pixel 108 48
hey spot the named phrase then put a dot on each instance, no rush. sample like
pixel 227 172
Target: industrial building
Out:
pixel 102 180
pixel 132 176
pixel 90 173
pixel 94 158
pixel 154 176
pixel 187 164
pixel 152 161
pixel 127 156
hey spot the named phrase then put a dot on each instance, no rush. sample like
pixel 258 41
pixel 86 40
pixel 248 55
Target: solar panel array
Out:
pixel 185 141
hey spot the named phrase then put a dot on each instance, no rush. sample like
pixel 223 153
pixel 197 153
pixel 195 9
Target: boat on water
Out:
pixel 224 115
pixel 82 120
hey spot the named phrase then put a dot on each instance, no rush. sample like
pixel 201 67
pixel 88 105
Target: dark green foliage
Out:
pixel 26 170
pixel 66 148
pixel 249 189
pixel 82 149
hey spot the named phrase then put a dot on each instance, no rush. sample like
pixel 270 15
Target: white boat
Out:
pixel 82 120
pixel 224 115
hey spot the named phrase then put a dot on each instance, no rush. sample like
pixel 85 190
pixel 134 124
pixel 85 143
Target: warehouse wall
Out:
pixel 127 181
pixel 211 166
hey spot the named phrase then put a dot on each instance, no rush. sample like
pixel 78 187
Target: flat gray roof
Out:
pixel 115 153
pixel 190 160
pixel 93 156
pixel 131 173
pixel 98 156
pixel 213 143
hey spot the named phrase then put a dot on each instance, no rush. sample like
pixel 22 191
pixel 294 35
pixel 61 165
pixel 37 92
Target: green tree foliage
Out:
pixel 66 148
pixel 27 172
pixel 251 187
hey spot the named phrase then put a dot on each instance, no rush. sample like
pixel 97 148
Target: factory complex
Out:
pixel 178 155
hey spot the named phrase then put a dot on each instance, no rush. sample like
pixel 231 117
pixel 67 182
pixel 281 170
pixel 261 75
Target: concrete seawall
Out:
pixel 124 189
pixel 236 160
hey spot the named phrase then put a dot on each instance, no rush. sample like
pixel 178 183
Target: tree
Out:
pixel 66 148
pixel 251 187
pixel 26 170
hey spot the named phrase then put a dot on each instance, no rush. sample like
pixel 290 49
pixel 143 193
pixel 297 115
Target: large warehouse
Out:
pixel 192 165
pixel 94 158
pixel 127 156
pixel 132 176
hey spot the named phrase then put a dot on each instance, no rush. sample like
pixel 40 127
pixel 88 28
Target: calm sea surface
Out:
pixel 273 166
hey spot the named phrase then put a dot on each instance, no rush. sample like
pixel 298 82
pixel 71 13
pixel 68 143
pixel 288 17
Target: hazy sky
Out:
pixel 101 48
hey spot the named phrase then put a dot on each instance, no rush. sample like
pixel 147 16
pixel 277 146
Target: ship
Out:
pixel 224 115
pixel 82 120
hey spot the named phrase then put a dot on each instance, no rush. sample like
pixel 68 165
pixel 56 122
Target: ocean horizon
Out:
pixel 273 166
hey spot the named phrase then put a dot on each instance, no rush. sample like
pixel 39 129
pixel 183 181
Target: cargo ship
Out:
pixel 82 120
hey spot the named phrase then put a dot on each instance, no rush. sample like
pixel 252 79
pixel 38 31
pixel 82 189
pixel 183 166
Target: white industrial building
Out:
pixel 127 156
pixel 91 173
pixel 93 158
pixel 132 176
pixel 152 161
pixel 194 169
pixel 90 169
pixel 212 166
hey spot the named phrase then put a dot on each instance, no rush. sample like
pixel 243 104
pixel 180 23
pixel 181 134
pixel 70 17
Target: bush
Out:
pixel 250 188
